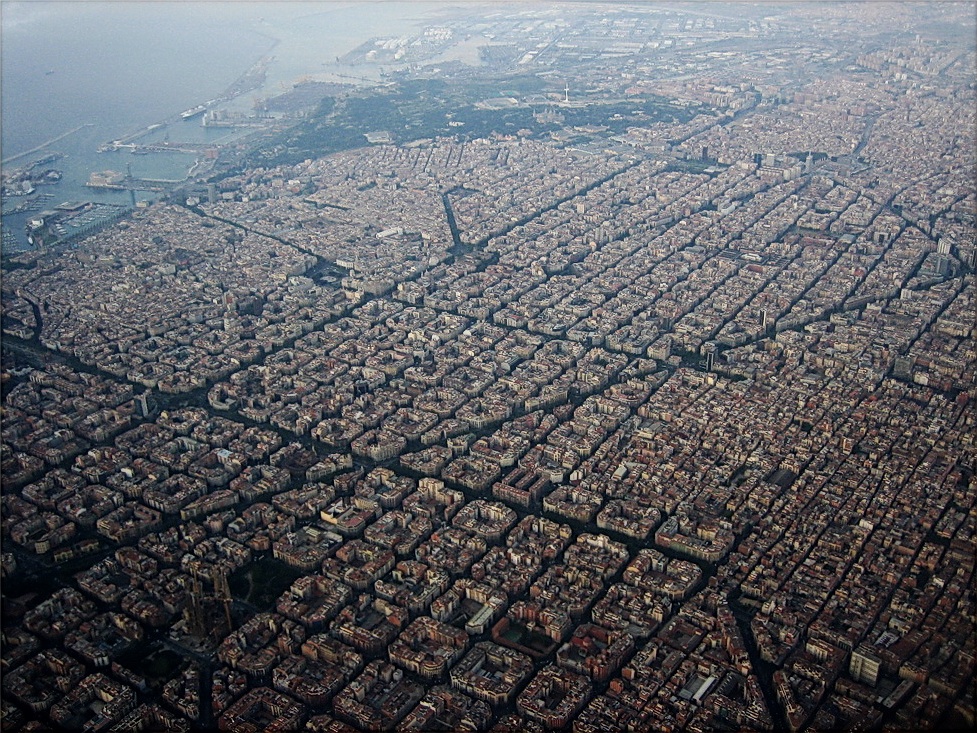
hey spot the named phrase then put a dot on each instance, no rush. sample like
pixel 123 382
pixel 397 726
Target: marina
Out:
pixel 33 203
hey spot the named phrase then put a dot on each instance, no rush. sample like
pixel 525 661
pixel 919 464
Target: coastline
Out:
pixel 285 51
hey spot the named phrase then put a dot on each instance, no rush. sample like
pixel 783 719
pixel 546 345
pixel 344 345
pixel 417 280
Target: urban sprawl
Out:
pixel 662 425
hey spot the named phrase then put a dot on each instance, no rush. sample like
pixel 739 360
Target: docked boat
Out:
pixel 194 111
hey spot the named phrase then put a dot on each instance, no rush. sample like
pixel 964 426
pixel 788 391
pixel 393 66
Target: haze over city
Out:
pixel 488 366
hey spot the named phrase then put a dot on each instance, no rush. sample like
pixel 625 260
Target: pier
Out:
pixel 162 147
pixel 45 144
pixel 130 183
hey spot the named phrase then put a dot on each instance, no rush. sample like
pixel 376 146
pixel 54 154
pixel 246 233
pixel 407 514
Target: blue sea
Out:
pixel 75 75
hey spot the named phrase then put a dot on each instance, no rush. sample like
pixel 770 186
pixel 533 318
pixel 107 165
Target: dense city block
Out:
pixel 602 419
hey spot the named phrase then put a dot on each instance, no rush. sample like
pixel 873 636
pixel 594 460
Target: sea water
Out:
pixel 76 75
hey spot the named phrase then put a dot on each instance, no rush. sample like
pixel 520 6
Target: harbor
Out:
pixel 178 148
pixel 250 80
